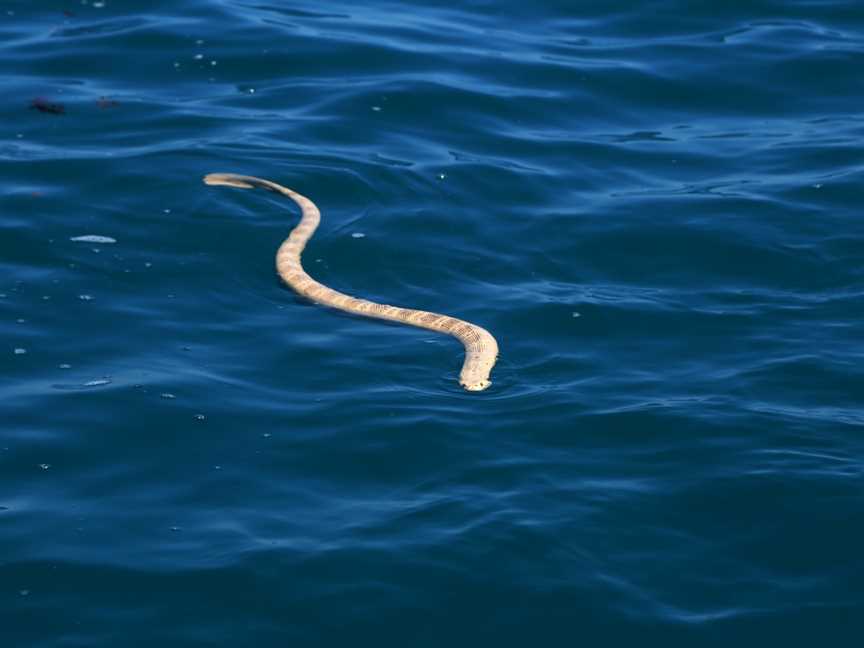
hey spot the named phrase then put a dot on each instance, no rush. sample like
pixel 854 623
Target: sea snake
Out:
pixel 481 349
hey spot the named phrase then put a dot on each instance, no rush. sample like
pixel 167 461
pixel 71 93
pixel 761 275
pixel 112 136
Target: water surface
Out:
pixel 654 206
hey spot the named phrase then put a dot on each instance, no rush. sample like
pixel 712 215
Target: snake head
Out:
pixel 474 380
pixel 479 385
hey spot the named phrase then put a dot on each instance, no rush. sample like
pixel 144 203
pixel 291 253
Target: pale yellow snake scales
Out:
pixel 481 349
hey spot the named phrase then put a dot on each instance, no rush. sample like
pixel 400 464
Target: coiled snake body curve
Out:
pixel 481 349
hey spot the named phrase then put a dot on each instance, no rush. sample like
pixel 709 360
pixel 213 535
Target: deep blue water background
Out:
pixel 656 208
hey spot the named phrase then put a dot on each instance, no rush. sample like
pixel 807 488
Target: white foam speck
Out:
pixel 20 351
pixel 97 383
pixel 93 238
pixel 358 235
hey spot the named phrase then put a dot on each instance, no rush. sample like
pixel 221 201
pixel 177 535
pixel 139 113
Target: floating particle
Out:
pixel 358 235
pixel 85 297
pixel 20 351
pixel 167 396
pixel 21 320
pixel 376 108
pixel 199 42
pixel 99 5
pixel 198 57
pixel 200 417
pixel 176 64
pixel 24 592
pixel 93 238
pixel 97 383
pixel 45 466
pixel 212 62
pixel 266 435
pixel 575 314
pixel 65 366
pixel 441 176
pixel 174 528
pixel 166 211
pixel 217 467
pixel 45 106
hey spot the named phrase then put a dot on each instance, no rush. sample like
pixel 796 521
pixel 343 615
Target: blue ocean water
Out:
pixel 656 208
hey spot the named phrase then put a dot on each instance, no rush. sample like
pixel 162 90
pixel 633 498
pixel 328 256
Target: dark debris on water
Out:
pixel 44 106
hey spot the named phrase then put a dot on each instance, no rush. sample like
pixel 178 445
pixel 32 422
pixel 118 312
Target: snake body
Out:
pixel 481 349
